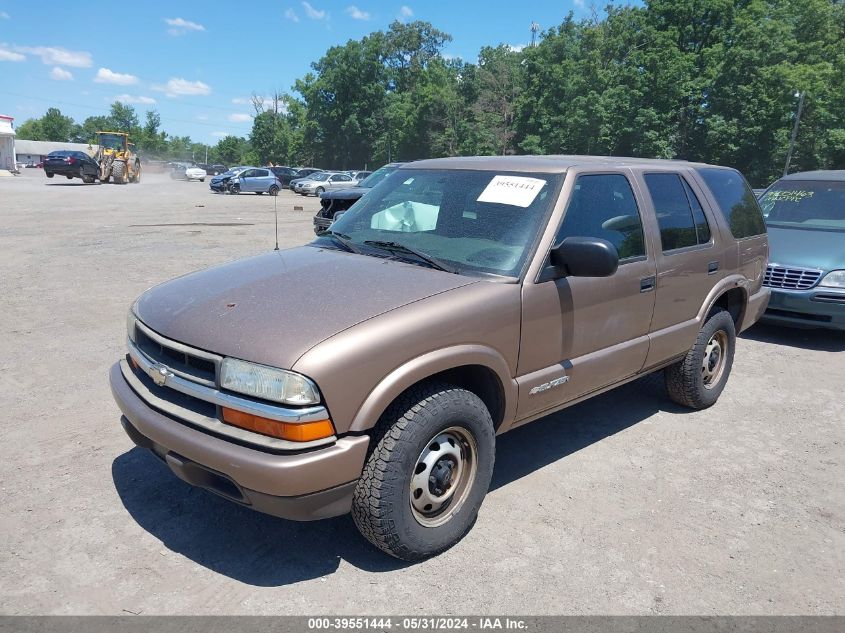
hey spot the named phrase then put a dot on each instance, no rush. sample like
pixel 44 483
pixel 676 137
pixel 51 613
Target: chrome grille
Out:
pixel 182 360
pixel 790 278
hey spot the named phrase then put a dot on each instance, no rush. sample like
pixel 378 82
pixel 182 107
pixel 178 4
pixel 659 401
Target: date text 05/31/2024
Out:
pixel 416 623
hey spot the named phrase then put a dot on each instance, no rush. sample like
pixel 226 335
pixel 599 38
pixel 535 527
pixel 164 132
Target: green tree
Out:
pixel 31 130
pixel 123 118
pixel 55 126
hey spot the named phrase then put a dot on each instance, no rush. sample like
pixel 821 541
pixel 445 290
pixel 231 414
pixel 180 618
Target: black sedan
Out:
pixel 71 164
pixel 285 175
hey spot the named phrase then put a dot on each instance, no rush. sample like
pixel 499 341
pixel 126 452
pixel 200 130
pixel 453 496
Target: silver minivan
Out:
pixel 255 180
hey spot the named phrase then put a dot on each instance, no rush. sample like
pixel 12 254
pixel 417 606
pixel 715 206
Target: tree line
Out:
pixel 708 80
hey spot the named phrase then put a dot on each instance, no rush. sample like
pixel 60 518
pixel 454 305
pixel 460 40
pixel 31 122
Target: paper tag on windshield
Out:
pixel 518 191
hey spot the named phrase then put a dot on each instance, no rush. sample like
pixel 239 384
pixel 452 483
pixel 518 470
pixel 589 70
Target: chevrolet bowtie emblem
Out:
pixel 159 373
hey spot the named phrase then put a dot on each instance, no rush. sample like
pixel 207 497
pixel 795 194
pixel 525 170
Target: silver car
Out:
pixel 255 180
pixel 324 181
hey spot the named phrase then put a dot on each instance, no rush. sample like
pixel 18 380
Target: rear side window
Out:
pixel 736 200
pixel 261 173
pixel 679 214
pixel 603 205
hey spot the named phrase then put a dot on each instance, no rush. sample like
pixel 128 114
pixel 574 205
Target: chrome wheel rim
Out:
pixel 443 475
pixel 713 363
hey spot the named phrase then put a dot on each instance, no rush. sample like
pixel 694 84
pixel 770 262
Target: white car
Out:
pixel 183 172
pixel 195 173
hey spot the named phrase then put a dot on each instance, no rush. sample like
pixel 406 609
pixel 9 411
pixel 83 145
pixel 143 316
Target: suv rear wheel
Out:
pixel 428 473
pixel 697 381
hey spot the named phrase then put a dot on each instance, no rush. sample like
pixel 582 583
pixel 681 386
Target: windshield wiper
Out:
pixel 344 240
pixel 401 248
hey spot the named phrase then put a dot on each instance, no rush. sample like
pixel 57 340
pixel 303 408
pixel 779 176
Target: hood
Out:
pixel 353 193
pixel 272 308
pixel 807 248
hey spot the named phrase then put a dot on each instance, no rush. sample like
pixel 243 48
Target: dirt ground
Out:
pixel 625 504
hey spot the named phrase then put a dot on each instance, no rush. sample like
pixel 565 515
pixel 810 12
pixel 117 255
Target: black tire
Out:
pixel 319 191
pixel 118 172
pixel 693 384
pixel 88 179
pixel 50 175
pixel 274 191
pixel 202 179
pixel 235 189
pixel 69 177
pixel 382 502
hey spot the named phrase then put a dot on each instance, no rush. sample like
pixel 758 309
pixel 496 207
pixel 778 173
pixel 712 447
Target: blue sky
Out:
pixel 198 63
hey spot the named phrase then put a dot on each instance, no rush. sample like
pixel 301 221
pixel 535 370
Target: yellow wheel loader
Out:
pixel 117 158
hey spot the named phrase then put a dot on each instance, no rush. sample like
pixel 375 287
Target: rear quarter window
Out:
pixel 736 201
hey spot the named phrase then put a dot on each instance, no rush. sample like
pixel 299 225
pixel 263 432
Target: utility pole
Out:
pixel 534 29
pixel 794 133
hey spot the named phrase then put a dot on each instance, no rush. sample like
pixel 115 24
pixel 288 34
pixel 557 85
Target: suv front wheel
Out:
pixel 423 483
pixel 697 381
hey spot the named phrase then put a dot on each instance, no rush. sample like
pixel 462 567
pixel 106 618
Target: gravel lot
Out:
pixel 625 504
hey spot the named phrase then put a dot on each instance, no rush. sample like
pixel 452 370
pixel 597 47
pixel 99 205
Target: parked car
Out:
pixel 220 183
pixel 805 215
pixel 71 164
pixel 285 175
pixel 372 369
pixel 359 175
pixel 185 172
pixel 258 180
pixel 302 172
pixel 213 170
pixel 339 200
pixel 300 177
pixel 324 181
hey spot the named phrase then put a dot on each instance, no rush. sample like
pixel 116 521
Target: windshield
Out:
pixel 474 221
pixel 111 141
pixel 377 176
pixel 806 204
pixel 318 177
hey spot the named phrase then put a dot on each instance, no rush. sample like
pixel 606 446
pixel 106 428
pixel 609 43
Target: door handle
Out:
pixel 712 267
pixel 647 284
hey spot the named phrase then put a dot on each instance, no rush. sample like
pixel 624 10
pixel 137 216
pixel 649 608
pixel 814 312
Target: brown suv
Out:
pixel 371 369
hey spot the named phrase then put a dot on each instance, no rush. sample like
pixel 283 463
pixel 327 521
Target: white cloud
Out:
pixel 240 117
pixel 9 56
pixel 5 16
pixel 180 26
pixel 405 12
pixel 311 12
pixel 290 14
pixel 60 74
pixel 356 14
pixel 517 48
pixel 135 99
pixel 220 134
pixel 578 3
pixel 240 101
pixel 178 86
pixel 53 56
pixel 107 76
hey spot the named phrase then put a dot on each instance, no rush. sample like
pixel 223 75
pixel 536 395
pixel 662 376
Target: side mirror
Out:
pixel 585 257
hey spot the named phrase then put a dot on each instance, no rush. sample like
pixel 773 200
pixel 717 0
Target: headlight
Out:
pixel 269 383
pixel 834 279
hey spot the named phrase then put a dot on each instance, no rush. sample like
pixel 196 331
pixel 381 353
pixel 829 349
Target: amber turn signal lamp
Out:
pixel 300 432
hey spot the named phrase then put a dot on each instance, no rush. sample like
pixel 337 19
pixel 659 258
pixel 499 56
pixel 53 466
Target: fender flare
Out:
pixel 427 365
pixel 731 282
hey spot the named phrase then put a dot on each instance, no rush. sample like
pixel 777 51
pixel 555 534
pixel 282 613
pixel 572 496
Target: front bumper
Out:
pixel 303 486
pixel 818 307
pixel 321 223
